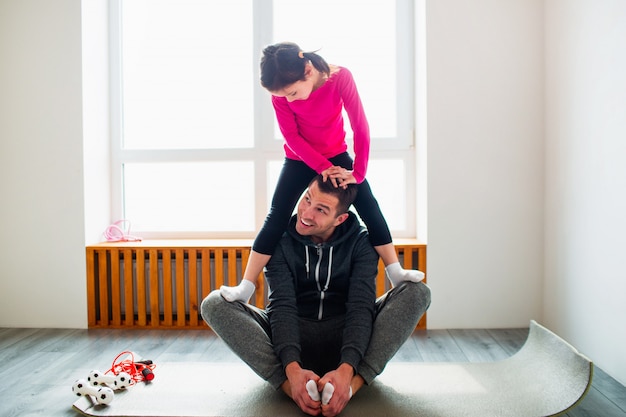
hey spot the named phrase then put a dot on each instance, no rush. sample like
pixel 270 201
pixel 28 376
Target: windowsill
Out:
pixel 212 243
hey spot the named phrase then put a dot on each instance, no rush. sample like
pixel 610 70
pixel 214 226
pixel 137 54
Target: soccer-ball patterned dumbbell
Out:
pixel 119 381
pixel 102 395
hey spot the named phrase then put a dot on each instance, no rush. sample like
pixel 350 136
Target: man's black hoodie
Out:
pixel 317 281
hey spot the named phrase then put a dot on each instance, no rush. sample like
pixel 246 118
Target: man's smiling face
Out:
pixel 317 215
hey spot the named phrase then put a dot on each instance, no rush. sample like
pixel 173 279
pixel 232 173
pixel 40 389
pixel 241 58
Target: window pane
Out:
pixel 387 177
pixel 187 74
pixel 273 172
pixel 357 34
pixel 190 196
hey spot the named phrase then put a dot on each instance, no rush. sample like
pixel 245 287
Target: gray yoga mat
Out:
pixel 546 377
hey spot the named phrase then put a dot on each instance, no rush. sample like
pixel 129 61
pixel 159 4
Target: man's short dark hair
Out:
pixel 345 196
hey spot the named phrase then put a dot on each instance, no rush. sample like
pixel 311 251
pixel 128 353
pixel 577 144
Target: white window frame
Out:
pixel 266 147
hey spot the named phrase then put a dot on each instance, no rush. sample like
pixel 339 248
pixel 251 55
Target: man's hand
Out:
pixel 340 177
pixel 340 378
pixel 297 379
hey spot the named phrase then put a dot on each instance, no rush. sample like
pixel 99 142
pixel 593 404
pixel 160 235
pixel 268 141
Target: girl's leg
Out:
pixel 380 236
pixel 247 285
pixel 395 273
pixel 293 179
pixel 367 207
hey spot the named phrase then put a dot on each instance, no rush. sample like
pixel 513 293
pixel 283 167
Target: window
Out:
pixel 195 147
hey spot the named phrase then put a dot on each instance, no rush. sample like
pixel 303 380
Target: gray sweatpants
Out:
pixel 246 330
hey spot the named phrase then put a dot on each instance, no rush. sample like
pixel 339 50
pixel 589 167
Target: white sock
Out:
pixel 311 388
pixel 396 274
pixel 327 393
pixel 241 292
pixel 329 390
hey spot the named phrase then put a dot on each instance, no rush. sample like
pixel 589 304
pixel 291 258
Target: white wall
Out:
pixel 484 82
pixel 96 118
pixel 42 246
pixel 585 276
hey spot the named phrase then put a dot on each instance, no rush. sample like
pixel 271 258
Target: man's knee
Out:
pixel 423 293
pixel 417 295
pixel 211 304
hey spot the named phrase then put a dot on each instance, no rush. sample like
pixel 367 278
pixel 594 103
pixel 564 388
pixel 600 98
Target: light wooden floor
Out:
pixel 39 366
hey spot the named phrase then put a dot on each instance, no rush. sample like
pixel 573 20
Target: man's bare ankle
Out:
pixel 286 387
pixel 356 383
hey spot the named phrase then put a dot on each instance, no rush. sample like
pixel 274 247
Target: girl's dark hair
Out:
pixel 282 64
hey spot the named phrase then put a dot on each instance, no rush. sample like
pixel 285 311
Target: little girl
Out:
pixel 308 96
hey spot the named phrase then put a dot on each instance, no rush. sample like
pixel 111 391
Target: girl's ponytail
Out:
pixel 318 62
pixel 283 64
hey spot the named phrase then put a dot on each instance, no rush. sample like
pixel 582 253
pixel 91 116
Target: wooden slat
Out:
pixel 129 297
pixel 407 259
pixel 116 295
pixel 141 288
pixel 219 267
pixel 180 287
pixel 421 325
pixel 231 262
pixel 421 258
pixel 168 309
pixel 260 291
pixel 206 272
pixel 103 288
pixel 154 287
pixel 381 279
pixel 193 288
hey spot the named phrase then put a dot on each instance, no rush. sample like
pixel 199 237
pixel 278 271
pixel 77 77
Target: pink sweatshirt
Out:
pixel 313 128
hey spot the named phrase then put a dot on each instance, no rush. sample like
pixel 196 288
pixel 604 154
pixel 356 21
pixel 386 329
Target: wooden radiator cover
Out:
pixel 161 283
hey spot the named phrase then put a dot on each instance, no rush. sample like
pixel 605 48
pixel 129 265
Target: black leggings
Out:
pixel 294 177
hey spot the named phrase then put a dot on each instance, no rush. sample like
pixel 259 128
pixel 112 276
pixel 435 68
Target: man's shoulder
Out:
pixel 363 241
pixel 357 241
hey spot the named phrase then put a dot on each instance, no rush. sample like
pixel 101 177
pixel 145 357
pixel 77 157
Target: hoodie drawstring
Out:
pixel 330 266
pixel 306 262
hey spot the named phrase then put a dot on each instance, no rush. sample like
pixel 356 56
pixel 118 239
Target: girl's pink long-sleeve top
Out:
pixel 313 128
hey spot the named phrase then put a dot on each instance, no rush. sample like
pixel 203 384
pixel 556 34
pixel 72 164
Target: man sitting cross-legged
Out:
pixel 324 334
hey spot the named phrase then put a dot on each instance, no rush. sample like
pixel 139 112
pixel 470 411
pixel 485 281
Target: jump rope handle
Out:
pixel 142 366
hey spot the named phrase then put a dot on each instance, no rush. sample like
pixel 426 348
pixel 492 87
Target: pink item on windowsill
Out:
pixel 120 232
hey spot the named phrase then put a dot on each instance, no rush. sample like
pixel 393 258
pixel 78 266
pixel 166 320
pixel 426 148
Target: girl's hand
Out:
pixel 340 177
